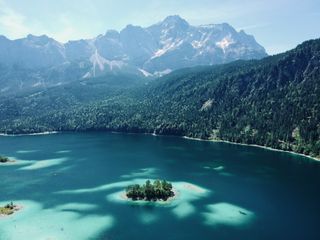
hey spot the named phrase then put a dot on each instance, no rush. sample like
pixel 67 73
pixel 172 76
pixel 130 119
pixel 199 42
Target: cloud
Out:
pixel 66 31
pixel 279 47
pixel 12 23
pixel 253 26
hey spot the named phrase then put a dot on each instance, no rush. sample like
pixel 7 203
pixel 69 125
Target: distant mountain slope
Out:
pixel 272 102
pixel 153 51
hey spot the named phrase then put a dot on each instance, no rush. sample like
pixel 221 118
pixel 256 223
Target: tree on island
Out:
pixel 4 159
pixel 8 209
pixel 159 190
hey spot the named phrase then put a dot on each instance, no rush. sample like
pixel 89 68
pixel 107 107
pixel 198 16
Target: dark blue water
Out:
pixel 251 193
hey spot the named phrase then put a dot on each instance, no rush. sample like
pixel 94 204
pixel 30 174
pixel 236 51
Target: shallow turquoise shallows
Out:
pixel 70 186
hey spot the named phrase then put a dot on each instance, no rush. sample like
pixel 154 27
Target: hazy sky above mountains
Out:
pixel 278 25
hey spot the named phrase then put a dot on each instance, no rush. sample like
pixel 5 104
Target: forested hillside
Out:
pixel 273 102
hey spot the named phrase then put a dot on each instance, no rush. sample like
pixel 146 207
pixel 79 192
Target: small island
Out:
pixel 159 190
pixel 8 209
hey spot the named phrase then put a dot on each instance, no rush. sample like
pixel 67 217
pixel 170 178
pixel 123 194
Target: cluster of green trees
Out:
pixel 4 159
pixel 159 190
pixel 272 102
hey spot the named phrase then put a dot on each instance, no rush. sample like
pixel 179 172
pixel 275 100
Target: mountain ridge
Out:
pixel 151 51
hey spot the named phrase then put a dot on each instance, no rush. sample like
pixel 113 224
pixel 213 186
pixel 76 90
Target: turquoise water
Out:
pixel 70 186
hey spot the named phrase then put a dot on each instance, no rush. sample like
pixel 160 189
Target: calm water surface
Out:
pixel 68 184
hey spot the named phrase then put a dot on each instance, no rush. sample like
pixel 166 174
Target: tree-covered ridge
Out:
pixel 272 102
pixel 158 190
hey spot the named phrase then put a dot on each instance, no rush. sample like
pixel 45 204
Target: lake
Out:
pixel 69 186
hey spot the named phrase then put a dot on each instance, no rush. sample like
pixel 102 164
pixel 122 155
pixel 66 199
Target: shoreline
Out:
pixel 253 145
pixel 184 137
pixel 29 134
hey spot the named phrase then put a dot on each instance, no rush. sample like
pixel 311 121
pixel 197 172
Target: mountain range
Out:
pixel 41 61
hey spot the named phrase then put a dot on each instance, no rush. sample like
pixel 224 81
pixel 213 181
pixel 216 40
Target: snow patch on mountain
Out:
pixel 87 75
pixel 225 43
pixel 98 61
pixel 145 73
pixel 169 45
pixel 162 73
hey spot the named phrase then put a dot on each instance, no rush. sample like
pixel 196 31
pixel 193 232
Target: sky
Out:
pixel 278 25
